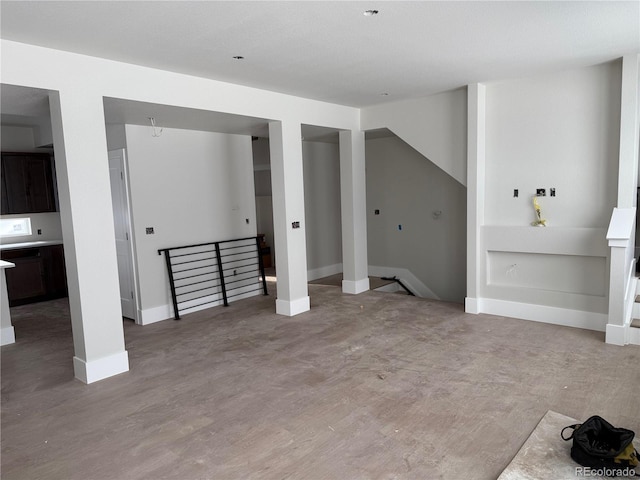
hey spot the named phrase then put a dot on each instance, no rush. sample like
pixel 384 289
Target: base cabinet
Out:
pixel 39 274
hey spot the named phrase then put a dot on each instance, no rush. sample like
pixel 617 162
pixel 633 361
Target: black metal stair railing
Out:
pixel 214 273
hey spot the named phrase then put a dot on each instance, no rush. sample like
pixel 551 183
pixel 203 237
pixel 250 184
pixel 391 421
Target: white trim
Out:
pixel 473 305
pixel 355 287
pixel 95 370
pixel 155 314
pixel 616 335
pixel 293 307
pixel 539 313
pixel 7 336
pixel 634 336
pixel 165 312
pixel 412 282
pixel 323 272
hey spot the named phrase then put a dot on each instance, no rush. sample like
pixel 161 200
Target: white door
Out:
pixel 122 226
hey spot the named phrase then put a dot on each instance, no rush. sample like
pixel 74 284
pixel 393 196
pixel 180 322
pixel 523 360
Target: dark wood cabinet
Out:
pixel 27 183
pixel 39 274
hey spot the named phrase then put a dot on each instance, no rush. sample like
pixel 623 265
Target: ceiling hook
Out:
pixel 156 132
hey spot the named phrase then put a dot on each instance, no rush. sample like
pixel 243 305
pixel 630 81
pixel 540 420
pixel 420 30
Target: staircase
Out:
pixel 634 329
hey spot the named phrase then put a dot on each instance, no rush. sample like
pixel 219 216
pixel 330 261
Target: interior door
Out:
pixel 122 224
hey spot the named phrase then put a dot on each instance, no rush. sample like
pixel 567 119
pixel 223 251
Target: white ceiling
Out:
pixel 327 51
pixel 330 51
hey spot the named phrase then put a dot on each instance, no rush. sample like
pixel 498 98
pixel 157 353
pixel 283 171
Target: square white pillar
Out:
pixel 7 332
pixel 82 170
pixel 353 193
pixel 287 185
pixel 476 126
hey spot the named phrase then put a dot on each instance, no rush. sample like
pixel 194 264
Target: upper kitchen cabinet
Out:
pixel 27 183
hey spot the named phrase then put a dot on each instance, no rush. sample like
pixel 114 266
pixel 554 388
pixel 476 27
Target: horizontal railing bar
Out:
pixel 239 278
pixel 199 305
pixel 238 244
pixel 239 258
pixel 236 266
pixel 197 290
pixel 197 298
pixel 251 281
pixel 196 283
pixel 204 244
pixel 194 276
pixel 229 250
pixel 193 261
pixel 232 278
pixel 242 293
pixel 240 254
pixel 195 268
pixel 199 252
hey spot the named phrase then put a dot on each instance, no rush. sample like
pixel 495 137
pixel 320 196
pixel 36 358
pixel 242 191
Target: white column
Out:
pixel 77 119
pixel 7 333
pixel 621 283
pixel 353 193
pixel 629 132
pixel 287 186
pixel 476 110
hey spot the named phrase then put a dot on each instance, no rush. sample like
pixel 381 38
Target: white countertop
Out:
pixel 40 243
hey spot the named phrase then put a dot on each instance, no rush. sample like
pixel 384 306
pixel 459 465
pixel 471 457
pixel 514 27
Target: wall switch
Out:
pixel 399 227
pixel 149 231
pixel 515 192
pixel 541 192
pixel 39 231
pixel 552 192
pixel 376 212
pixel 247 221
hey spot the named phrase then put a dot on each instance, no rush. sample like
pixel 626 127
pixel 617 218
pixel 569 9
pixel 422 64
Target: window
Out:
pixel 15 227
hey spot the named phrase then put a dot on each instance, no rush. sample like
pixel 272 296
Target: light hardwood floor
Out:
pixel 373 386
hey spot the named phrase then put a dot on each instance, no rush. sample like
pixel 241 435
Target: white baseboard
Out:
pixel 7 336
pixel 617 335
pixel 322 272
pixel 95 370
pixel 472 305
pixel 412 282
pixel 293 307
pixel 634 336
pixel 165 312
pixel 538 313
pixel 155 314
pixel 355 287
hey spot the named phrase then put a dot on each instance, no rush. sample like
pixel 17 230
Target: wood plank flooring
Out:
pixel 373 386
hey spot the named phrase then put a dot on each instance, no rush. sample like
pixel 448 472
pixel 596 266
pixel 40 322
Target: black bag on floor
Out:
pixel 599 445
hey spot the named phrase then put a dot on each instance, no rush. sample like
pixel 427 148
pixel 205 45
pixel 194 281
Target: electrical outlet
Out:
pixel 552 192
pixel 541 192
pixel 515 192
pixel 295 224
pixel 376 212
pixel 149 230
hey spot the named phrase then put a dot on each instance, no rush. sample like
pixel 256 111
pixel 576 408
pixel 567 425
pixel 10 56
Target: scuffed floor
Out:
pixel 373 386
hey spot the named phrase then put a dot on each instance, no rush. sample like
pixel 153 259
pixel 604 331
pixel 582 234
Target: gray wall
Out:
pixel 409 190
pixel 321 163
pixel 321 171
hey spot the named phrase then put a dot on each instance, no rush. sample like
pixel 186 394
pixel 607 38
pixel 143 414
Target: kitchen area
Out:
pixel 31 250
